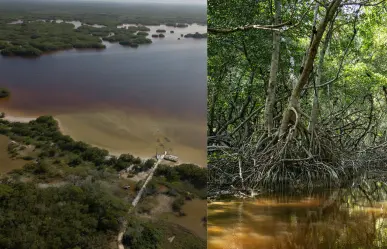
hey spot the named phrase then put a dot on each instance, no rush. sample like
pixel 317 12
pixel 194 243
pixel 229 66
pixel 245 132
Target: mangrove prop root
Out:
pixel 292 162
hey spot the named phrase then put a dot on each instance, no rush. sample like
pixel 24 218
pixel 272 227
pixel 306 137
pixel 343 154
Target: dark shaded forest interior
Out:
pixel 297 93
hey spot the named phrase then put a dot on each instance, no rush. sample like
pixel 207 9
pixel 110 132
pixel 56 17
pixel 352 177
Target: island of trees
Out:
pixel 196 35
pixel 181 25
pixel 126 36
pixel 35 38
pixel 4 92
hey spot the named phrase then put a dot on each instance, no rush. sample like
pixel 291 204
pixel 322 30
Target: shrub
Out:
pixel 194 174
pixel 28 158
pixel 148 164
pixel 177 204
pixel 172 192
pixel 82 217
pixel 141 235
pixel 4 93
pixel 74 161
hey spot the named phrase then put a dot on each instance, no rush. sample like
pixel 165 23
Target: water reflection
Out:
pixel 16 22
pixel 76 24
pixel 338 219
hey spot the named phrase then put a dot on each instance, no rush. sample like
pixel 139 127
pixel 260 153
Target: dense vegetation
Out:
pixel 127 37
pixel 197 35
pixel 68 217
pixel 34 38
pixel 40 32
pixel 296 92
pixel 156 234
pixel 63 179
pixel 107 14
pixel 184 172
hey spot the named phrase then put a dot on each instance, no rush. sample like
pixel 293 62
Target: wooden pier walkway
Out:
pixel 139 194
pixel 138 197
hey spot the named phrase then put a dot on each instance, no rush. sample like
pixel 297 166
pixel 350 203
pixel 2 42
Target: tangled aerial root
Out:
pixel 292 163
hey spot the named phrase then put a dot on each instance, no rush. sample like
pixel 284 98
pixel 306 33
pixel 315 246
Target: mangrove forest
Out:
pixel 39 27
pixel 297 93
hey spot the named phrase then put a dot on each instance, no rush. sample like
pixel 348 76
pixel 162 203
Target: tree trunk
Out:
pixel 319 71
pixel 314 113
pixel 271 89
pixel 293 104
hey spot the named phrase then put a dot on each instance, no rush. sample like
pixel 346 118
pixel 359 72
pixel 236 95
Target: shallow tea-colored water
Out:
pixel 195 210
pixel 135 132
pixel 340 219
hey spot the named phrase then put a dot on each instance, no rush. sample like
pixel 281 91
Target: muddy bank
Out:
pixel 6 163
pixel 18 119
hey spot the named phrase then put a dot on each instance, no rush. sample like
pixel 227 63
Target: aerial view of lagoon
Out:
pixel 123 99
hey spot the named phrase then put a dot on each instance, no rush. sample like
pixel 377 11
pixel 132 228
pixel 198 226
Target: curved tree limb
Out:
pixel 276 27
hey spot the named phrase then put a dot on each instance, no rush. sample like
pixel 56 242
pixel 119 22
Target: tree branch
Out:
pixel 276 27
pixel 363 3
pixel 249 27
pixel 344 56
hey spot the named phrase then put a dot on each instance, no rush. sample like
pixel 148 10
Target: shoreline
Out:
pixel 20 119
pixel 27 119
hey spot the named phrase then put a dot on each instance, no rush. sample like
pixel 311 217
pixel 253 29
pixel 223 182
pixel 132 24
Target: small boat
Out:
pixel 171 158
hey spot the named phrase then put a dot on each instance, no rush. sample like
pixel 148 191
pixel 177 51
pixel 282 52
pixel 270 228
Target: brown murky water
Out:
pixel 137 133
pixel 127 100
pixel 195 210
pixel 353 218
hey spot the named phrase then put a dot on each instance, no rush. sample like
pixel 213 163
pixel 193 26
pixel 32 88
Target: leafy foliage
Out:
pixel 313 122
pixel 67 217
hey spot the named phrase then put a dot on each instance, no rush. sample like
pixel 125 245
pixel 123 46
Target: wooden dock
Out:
pixel 167 157
pixel 171 158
